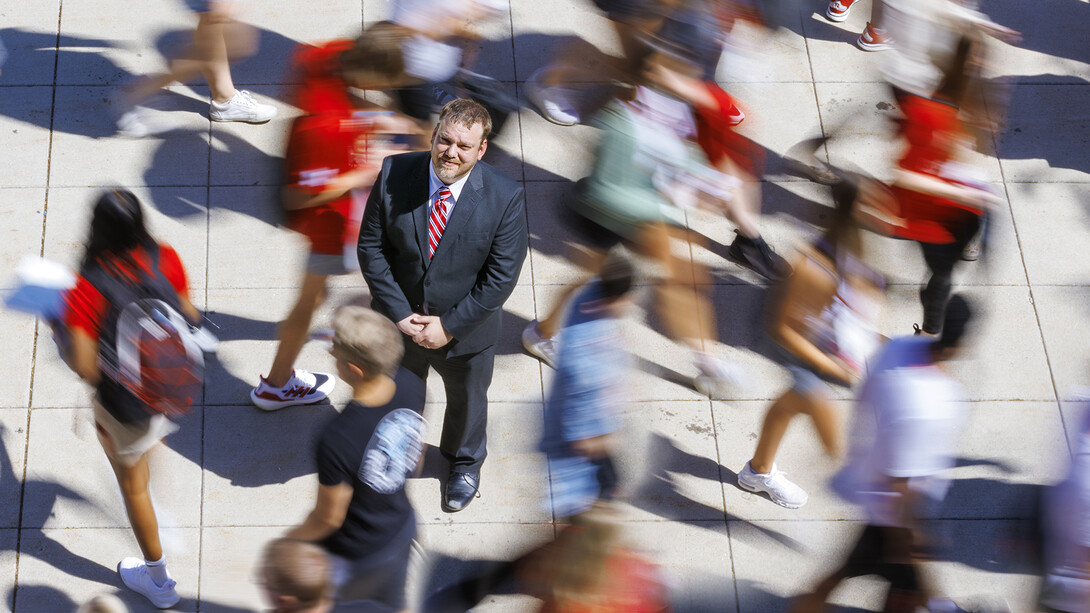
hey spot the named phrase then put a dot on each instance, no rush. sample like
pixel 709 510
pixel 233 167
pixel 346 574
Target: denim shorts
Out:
pixel 804 381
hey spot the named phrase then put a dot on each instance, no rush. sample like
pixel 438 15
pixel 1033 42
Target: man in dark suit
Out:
pixel 441 246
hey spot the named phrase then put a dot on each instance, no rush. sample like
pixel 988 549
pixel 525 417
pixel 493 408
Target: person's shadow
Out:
pixel 35 541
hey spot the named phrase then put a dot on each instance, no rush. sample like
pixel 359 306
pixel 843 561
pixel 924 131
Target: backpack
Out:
pixel 147 349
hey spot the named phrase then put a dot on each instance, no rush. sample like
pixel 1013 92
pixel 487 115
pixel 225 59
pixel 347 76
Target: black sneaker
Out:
pixel 756 255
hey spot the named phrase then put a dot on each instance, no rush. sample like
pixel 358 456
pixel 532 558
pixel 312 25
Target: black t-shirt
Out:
pixel 375 449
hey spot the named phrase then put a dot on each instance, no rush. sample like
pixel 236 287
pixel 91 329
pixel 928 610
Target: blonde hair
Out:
pixel 298 570
pixel 368 340
pixel 103 603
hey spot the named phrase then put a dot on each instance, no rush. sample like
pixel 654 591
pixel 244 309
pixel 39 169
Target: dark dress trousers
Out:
pixel 474 271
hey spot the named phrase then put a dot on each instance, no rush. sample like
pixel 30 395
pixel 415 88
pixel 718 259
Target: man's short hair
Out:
pixel 368 340
pixel 378 51
pixel 468 113
pixel 299 570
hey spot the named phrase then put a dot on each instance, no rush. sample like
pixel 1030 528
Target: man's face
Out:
pixel 455 149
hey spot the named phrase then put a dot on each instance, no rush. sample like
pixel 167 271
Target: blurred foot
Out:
pixel 552 102
pixel 242 107
pixel 802 160
pixel 544 349
pixel 134 124
pixel 874 39
pixel 715 374
pixel 775 484
pixel 838 10
pixel 756 255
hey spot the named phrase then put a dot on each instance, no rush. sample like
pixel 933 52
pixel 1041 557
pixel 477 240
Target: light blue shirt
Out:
pixel 433 190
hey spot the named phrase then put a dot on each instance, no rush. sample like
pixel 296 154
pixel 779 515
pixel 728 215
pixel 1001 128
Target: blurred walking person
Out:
pixel 583 409
pixel 647 166
pixel 334 155
pixel 1067 532
pixel 217 40
pixel 914 412
pixel 824 323
pixel 124 263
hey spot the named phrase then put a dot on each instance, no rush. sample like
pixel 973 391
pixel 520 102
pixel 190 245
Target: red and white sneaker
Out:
pixel 302 388
pixel 838 10
pixel 734 115
pixel 874 39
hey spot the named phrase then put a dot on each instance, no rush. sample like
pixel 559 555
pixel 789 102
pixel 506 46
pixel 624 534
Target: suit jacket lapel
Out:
pixel 463 211
pixel 420 212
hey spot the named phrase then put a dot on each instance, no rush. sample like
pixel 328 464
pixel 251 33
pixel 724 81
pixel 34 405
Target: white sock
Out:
pixel 158 570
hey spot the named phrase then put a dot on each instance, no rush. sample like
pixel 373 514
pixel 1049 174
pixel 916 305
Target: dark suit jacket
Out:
pixel 476 265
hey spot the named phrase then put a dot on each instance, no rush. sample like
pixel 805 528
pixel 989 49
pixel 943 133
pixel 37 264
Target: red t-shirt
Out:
pixel 85 307
pixel 718 139
pixel 931 129
pixel 321 148
pixel 321 87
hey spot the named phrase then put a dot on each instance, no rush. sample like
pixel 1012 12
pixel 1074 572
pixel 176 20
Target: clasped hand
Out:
pixel 425 330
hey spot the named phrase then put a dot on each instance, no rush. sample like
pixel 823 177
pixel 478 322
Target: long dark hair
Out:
pixel 117 227
pixel 844 234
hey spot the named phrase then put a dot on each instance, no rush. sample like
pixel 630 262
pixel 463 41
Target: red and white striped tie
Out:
pixel 437 221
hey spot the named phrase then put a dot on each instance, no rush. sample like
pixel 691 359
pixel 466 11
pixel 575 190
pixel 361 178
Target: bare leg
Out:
pixel 293 331
pixel 133 481
pixel 744 208
pixel 686 314
pixel 215 41
pixel 210 39
pixel 779 416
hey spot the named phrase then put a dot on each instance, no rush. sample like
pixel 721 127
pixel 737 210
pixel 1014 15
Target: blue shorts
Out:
pixel 804 381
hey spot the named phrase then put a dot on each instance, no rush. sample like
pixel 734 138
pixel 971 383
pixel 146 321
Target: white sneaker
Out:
pixel 302 388
pixel 242 107
pixel 715 375
pixel 551 101
pixel 134 574
pixel 132 124
pixel 544 349
pixel 139 122
pixel 775 484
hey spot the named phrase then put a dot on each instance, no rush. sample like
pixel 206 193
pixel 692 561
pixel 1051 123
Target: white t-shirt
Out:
pixel 916 412
pixel 926 34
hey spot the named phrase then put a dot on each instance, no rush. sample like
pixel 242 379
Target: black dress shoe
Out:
pixel 460 491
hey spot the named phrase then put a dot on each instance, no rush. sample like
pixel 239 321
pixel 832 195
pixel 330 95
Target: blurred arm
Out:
pixel 328 514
